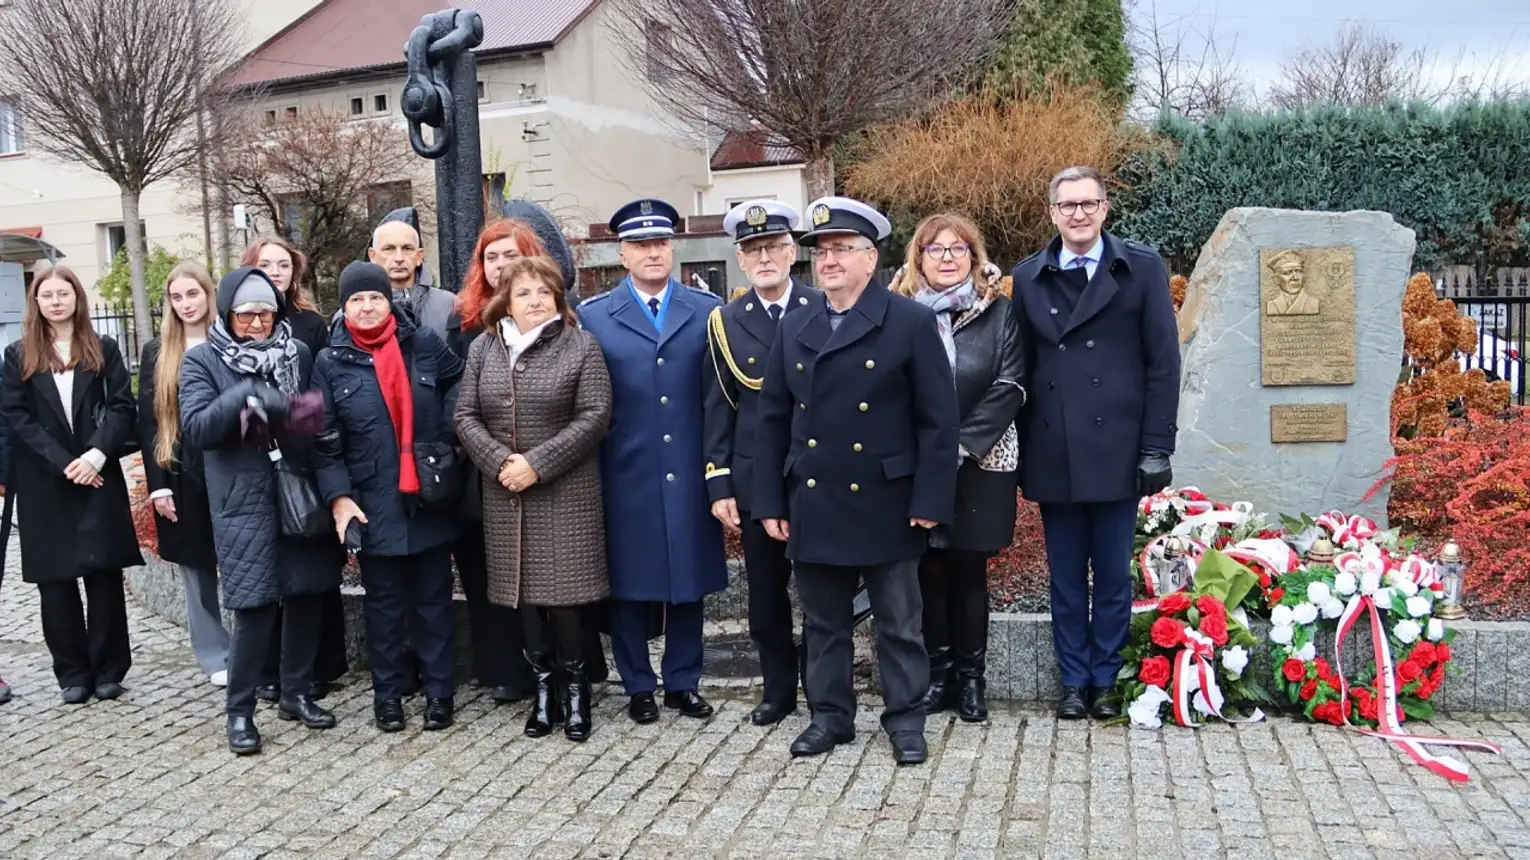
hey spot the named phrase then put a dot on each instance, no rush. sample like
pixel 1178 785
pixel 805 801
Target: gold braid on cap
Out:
pixel 717 336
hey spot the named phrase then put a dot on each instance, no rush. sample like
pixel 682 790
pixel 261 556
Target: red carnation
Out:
pixel 1323 669
pixel 1442 653
pixel 1209 605
pixel 1308 690
pixel 1154 672
pixel 1215 627
pixel 1424 654
pixel 1264 580
pixel 1437 676
pixel 1408 672
pixel 1294 670
pixel 1269 534
pixel 1168 632
pixel 1173 604
pixel 1425 690
pixel 1321 712
pixel 1368 710
pixel 1276 594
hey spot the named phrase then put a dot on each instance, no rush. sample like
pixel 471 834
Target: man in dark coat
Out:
pixel 856 460
pixel 664 550
pixel 740 334
pixel 1098 429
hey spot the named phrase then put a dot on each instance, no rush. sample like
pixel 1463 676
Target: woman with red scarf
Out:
pixel 391 385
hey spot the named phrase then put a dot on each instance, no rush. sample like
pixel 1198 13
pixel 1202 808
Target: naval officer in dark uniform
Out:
pixel 740 334
pixel 663 548
pixel 856 461
pixel 1098 429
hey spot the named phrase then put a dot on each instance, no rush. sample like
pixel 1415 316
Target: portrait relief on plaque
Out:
pixel 1307 328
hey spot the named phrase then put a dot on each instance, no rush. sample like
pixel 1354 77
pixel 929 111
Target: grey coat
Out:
pixel 547 544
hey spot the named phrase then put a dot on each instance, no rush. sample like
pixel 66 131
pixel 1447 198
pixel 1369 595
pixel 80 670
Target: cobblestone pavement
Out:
pixel 148 776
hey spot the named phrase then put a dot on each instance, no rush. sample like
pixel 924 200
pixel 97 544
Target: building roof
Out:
pixel 339 36
pixel 757 147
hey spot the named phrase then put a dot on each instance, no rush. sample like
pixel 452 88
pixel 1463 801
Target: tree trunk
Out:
pixel 820 175
pixel 134 238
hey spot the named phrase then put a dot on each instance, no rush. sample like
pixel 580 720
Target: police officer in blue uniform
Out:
pixel 740 335
pixel 664 549
pixel 1098 429
pixel 855 462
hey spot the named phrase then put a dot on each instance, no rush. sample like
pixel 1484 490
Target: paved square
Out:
pixel 149 776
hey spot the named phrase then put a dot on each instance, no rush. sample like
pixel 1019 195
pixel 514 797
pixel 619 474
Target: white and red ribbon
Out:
pixel 1386 710
pixel 1193 662
pixel 1348 529
pixel 1150 577
pixel 1275 557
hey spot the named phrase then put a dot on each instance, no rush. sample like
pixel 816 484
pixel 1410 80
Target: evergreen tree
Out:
pixel 1066 42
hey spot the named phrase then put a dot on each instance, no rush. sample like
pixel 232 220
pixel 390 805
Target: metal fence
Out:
pixel 116 321
pixel 1501 307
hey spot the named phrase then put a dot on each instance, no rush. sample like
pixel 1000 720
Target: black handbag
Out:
pixel 440 471
pixel 99 415
pixel 303 513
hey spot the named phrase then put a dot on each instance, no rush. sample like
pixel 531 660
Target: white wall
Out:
pixel 729 187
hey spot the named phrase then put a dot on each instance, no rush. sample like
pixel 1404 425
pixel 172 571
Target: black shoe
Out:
pixel 319 689
pixel 688 703
pixel 268 692
pixel 942 693
pixel 1107 705
pixel 509 694
pixel 243 737
pixel 303 709
pixel 546 711
pixel 389 714
pixel 642 708
pixel 108 690
pixel 972 701
pixel 76 695
pixel 438 714
pixel 908 747
pixel 817 740
pixel 1071 706
pixel 770 713
pixel 576 701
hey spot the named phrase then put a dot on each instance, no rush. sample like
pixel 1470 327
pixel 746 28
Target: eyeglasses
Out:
pixel 774 249
pixel 956 251
pixel 1072 206
pixel 248 317
pixel 829 252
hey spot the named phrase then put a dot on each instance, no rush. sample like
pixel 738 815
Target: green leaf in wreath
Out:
pixel 1224 578
pixel 1418 710
pixel 1128 671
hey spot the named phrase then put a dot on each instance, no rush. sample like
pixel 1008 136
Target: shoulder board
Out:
pixel 708 293
pixel 595 298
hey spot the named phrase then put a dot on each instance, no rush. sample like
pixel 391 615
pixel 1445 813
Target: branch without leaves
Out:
pixel 1181 70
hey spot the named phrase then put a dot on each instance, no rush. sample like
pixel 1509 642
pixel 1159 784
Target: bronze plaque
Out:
pixel 1309 422
pixel 1307 316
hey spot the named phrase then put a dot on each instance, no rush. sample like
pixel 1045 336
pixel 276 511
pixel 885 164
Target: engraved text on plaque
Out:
pixel 1307 319
pixel 1309 422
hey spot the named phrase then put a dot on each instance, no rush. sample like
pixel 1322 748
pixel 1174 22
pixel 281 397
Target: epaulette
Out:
pixel 593 299
pixel 708 293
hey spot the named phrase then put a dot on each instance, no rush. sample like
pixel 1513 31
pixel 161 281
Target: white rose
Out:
pixel 1281 634
pixel 1235 660
pixel 1304 613
pixel 1345 584
pixel 1405 584
pixel 1217 700
pixel 1318 593
pixel 1406 630
pixel 1436 630
pixel 1143 711
pixel 1383 598
pixel 1333 608
pixel 1418 607
pixel 1369 582
pixel 1280 616
pixel 1305 653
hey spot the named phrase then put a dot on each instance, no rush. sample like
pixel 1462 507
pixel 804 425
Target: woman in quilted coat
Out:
pixel 947 270
pixel 238 392
pixel 534 405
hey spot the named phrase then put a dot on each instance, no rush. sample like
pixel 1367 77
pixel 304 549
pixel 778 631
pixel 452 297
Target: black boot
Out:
pixel 576 697
pixel 243 737
pixel 942 693
pixel 545 712
pixel 305 710
pixel 969 638
pixel 934 588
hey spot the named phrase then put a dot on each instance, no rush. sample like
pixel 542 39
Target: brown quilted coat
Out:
pixel 547 544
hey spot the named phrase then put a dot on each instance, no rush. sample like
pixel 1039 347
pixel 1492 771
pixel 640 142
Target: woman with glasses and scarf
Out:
pixel 947 270
pixel 243 403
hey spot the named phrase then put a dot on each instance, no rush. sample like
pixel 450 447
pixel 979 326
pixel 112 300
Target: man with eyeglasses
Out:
pixel 856 461
pixel 739 335
pixel 1098 427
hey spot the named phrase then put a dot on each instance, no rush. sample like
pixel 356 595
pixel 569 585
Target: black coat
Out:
pixel 69 530
pixel 368 469
pixel 857 432
pixel 188 540
pixel 309 327
pixel 470 512
pixel 732 407
pixel 990 389
pixel 1104 379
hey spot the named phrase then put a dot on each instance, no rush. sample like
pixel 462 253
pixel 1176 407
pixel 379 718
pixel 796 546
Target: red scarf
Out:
pixel 393 379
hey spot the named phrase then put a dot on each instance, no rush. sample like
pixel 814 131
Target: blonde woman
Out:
pixel 947 270
pixel 177 486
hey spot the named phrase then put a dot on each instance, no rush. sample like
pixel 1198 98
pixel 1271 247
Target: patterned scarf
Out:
pixel 274 359
pixel 946 304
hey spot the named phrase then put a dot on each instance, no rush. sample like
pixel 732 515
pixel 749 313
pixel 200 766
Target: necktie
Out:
pixel 653 307
pixel 1080 262
pixel 775 313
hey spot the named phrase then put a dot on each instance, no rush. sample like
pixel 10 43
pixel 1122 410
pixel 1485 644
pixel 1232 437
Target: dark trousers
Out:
pixel 770 611
pixel 555 637
pixel 682 646
pixel 295 624
pixel 828 613
pixel 409 593
pixel 953 586
pixel 496 632
pixel 1088 634
pixel 89 641
pixel 329 654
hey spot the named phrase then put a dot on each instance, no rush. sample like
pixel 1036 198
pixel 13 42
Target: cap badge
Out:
pixel 821 215
pixel 646 207
pixel 755 216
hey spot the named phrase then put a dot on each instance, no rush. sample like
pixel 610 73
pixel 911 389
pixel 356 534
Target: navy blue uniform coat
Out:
pixel 857 432
pixel 662 543
pixel 1104 380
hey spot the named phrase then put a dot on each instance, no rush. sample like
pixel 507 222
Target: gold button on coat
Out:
pixel 812 443
pixel 751 359
pixel 857 447
pixel 870 364
pixel 799 365
pixel 864 407
pixel 664 399
pixel 812 483
pixel 855 488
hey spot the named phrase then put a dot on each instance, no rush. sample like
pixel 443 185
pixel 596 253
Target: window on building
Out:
pixel 731 202
pixel 384 198
pixel 289 112
pixel 297 215
pixel 116 239
pixel 271 117
pixel 483 91
pixel 658 37
pixel 358 106
pixel 380 103
pixel 12 137
pixel 493 194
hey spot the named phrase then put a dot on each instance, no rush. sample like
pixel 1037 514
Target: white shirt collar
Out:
pixel 643 297
pixel 781 303
pixel 1065 257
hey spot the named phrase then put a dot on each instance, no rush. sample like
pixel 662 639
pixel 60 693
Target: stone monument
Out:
pixel 1291 336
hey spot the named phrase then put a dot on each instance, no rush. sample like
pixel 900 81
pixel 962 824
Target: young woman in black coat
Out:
pixel 173 471
pixel 67 398
pixel 947 270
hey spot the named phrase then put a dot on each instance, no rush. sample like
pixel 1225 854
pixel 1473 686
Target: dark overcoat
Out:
pixel 309 327
pixel 662 542
pixel 857 432
pixel 1104 378
pixel 189 539
pixel 355 413
pixel 68 530
pixel 733 406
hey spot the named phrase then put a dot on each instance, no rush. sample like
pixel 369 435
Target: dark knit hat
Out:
pixel 364 277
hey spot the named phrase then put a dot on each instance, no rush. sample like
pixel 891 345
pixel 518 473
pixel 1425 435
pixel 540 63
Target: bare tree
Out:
pixel 116 86
pixel 811 71
pixel 1359 66
pixel 320 178
pixel 1181 69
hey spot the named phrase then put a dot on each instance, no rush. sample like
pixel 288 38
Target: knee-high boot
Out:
pixel 935 590
pixel 570 631
pixel 969 632
pixel 545 711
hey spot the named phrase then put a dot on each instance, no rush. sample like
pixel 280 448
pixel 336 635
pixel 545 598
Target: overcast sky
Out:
pixel 1477 33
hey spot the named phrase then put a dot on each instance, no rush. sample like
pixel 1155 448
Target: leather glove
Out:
pixel 1153 473
pixel 274 403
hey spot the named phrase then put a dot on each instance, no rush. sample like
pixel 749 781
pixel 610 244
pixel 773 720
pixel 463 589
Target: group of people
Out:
pixel 581 464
